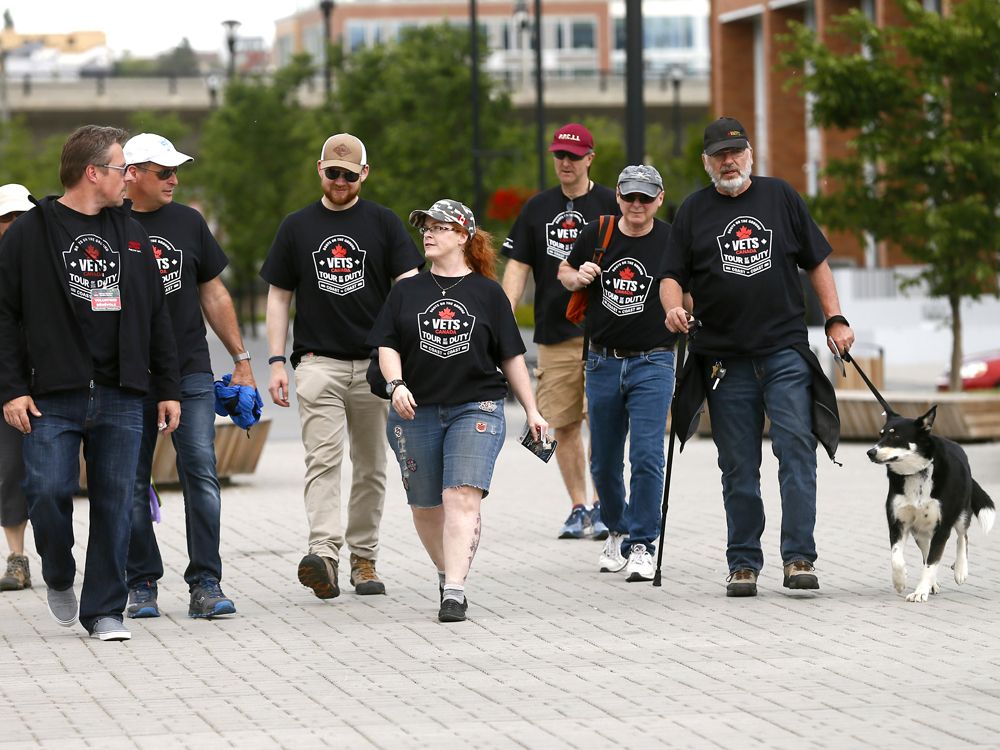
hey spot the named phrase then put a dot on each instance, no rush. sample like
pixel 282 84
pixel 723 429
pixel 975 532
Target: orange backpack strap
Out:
pixel 605 228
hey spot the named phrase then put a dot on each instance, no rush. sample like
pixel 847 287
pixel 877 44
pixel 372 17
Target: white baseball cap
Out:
pixel 155 148
pixel 14 197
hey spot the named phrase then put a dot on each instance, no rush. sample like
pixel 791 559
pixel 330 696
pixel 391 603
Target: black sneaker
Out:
pixel 207 600
pixel 800 574
pixel 142 600
pixel 742 582
pixel 453 611
pixel 320 575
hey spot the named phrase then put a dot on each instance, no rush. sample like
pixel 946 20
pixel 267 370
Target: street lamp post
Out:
pixel 326 6
pixel 523 22
pixel 676 76
pixel 635 135
pixel 477 164
pixel 231 27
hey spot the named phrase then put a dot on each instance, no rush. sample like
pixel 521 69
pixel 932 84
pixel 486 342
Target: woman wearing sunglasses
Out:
pixel 630 368
pixel 448 347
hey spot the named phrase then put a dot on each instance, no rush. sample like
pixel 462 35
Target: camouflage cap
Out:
pixel 640 178
pixel 448 210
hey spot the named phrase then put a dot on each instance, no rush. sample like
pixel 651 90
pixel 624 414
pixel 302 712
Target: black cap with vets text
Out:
pixel 725 133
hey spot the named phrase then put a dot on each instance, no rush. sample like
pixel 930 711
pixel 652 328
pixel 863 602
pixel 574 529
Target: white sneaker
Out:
pixel 640 564
pixel 611 559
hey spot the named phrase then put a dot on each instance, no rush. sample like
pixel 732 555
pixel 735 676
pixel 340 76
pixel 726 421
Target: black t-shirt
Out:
pixel 739 258
pixel 340 264
pixel 91 253
pixel 451 344
pixel 542 236
pixel 624 310
pixel 187 255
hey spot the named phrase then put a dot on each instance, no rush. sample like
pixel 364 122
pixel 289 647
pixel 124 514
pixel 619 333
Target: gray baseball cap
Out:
pixel 448 210
pixel 640 178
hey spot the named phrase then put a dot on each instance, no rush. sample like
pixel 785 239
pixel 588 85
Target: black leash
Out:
pixel 871 386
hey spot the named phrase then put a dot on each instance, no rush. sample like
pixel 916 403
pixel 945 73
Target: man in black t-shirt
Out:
pixel 736 247
pixel 338 257
pixel 190 262
pixel 539 241
pixel 630 368
pixel 84 335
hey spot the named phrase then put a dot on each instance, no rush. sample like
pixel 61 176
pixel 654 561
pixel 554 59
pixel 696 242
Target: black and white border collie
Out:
pixel 931 492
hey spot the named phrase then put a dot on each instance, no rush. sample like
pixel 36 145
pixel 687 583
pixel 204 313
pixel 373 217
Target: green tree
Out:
pixel 256 164
pixel 22 160
pixel 923 172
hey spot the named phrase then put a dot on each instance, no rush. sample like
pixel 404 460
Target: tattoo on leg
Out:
pixel 475 541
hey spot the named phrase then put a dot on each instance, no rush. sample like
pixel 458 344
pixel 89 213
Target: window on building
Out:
pixel 669 32
pixel 355 36
pixel 583 35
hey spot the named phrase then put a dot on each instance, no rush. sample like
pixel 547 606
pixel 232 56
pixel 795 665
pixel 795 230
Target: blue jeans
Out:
pixel 194 442
pixel 629 397
pixel 780 385
pixel 109 422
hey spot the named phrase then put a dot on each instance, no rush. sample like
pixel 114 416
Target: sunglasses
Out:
pixel 163 174
pixel 123 168
pixel 332 174
pixel 641 197
pixel 560 155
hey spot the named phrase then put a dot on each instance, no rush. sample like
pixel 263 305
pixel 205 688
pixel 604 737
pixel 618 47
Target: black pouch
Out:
pixel 374 377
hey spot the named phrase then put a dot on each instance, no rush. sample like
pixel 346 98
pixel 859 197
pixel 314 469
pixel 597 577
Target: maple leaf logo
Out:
pixel 447 313
pixel 743 232
pixel 157 252
pixel 92 252
pixel 627 273
pixel 568 224
pixel 339 251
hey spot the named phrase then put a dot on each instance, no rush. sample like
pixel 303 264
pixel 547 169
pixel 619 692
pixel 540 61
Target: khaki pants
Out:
pixel 334 397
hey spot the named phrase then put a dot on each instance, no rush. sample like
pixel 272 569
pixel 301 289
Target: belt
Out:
pixel 610 351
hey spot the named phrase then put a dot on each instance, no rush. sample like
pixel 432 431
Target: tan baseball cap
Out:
pixel 345 151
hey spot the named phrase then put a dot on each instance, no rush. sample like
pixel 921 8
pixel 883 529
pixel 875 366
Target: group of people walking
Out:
pixel 102 310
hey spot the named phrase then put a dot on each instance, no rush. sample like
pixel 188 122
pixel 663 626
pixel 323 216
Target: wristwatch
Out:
pixel 241 357
pixel 392 385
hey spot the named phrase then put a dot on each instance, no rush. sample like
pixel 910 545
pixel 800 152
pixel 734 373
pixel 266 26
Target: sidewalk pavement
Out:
pixel 554 655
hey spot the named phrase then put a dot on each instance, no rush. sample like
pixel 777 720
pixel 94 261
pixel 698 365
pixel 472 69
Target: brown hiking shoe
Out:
pixel 18 576
pixel 742 582
pixel 319 574
pixel 364 578
pixel 800 574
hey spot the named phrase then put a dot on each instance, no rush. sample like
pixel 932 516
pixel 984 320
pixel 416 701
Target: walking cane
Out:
pixel 693 324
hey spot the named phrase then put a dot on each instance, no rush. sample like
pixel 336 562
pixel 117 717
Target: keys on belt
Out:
pixel 717 374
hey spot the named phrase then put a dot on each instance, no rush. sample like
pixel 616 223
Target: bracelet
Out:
pixel 277 358
pixel 834 319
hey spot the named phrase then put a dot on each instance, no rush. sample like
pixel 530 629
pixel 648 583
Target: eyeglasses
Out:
pixel 121 169
pixel 164 174
pixel 438 229
pixel 641 197
pixel 8 218
pixel 560 155
pixel 332 174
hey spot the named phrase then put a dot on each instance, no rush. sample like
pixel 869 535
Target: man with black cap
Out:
pixel 338 257
pixel 190 262
pixel 737 247
pixel 539 241
pixel 630 367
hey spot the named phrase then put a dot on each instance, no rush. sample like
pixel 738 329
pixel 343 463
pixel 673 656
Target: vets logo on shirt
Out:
pixel 745 247
pixel 169 260
pixel 340 265
pixel 625 286
pixel 91 265
pixel 561 233
pixel 445 328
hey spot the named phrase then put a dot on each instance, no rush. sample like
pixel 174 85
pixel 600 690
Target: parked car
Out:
pixel 980 370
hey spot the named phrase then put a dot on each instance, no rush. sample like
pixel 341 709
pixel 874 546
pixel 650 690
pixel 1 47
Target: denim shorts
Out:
pixel 446 446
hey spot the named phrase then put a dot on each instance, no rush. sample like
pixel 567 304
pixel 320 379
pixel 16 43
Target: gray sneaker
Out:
pixel 110 629
pixel 63 606
pixel 142 600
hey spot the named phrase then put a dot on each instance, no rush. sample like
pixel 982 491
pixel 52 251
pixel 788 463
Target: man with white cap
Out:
pixel 630 367
pixel 190 262
pixel 338 257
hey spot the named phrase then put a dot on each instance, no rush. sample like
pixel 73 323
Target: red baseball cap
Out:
pixel 573 138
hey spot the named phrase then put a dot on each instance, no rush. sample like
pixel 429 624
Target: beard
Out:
pixel 341 197
pixel 729 185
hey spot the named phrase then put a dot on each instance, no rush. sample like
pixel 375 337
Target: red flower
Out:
pixel 505 204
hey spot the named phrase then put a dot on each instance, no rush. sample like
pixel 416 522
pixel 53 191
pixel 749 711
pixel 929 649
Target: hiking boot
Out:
pixel 597 528
pixel 800 574
pixel 640 564
pixel 364 578
pixel 320 575
pixel 612 560
pixel 110 629
pixel 742 582
pixel 17 576
pixel 453 611
pixel 142 600
pixel 207 600
pixel 63 606
pixel 575 525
